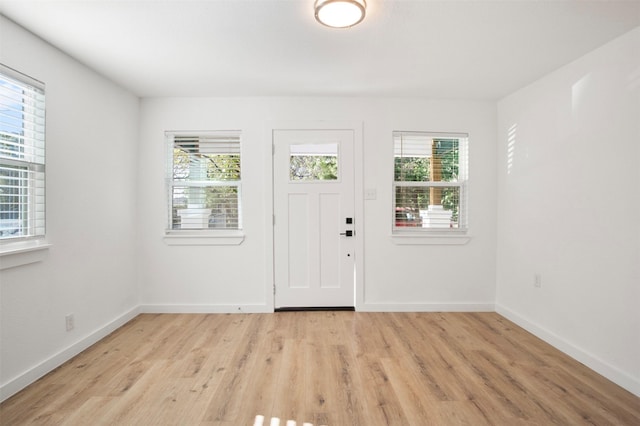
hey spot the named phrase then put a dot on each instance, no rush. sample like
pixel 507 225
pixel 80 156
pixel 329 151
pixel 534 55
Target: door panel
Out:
pixel 330 263
pixel 313 196
pixel 298 235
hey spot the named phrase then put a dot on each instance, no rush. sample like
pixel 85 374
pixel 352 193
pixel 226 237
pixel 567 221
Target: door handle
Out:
pixel 348 233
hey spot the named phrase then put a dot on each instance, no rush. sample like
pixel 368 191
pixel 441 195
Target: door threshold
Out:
pixel 315 308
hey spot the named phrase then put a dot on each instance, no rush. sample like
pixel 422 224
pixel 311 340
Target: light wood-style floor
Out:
pixel 325 368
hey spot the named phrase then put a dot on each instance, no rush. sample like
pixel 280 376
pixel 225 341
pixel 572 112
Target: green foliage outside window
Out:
pixel 204 170
pixel 313 167
pixel 410 200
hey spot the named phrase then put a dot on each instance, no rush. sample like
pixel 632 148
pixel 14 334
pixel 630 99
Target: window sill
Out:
pixel 431 239
pixel 20 253
pixel 216 238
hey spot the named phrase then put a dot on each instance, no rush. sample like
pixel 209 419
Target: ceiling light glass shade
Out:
pixel 340 13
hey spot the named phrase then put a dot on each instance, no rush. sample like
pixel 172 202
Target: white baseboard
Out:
pixel 205 309
pixel 426 307
pixel 18 383
pixel 612 373
pixel 366 307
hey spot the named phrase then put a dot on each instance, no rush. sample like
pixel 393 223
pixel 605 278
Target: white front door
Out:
pixel 314 224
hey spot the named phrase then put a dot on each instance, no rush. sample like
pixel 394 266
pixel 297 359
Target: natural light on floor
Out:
pixel 260 421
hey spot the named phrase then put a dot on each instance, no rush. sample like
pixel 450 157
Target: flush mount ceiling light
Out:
pixel 340 13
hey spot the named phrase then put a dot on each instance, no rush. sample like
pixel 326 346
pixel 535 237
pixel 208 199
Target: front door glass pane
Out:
pixel 313 162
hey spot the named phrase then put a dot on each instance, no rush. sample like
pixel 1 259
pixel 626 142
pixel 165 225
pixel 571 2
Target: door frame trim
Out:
pixel 358 193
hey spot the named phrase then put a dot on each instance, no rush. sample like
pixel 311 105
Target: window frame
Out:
pixel 427 235
pixel 202 236
pixel 29 246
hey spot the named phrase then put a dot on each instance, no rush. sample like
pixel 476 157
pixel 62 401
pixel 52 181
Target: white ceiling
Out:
pixel 437 49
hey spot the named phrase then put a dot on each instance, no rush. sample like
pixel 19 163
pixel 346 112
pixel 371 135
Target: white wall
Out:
pixel 89 271
pixel 228 278
pixel 569 204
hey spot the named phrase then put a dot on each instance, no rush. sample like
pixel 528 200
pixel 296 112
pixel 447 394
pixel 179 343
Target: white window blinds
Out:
pixel 430 175
pixel 204 181
pixel 22 155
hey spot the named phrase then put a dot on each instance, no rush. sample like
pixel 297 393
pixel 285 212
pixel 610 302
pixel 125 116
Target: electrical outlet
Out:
pixel 537 280
pixel 70 322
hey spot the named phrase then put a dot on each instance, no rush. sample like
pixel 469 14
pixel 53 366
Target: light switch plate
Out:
pixel 370 194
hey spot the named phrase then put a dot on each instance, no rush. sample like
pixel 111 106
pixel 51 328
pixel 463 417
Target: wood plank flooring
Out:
pixel 324 368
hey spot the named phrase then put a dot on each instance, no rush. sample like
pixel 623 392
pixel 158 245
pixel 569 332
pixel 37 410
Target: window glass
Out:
pixel 313 162
pixel 205 182
pixel 429 181
pixel 22 157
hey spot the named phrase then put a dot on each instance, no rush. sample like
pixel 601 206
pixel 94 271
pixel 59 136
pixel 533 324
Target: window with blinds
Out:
pixel 430 181
pixel 204 181
pixel 22 156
